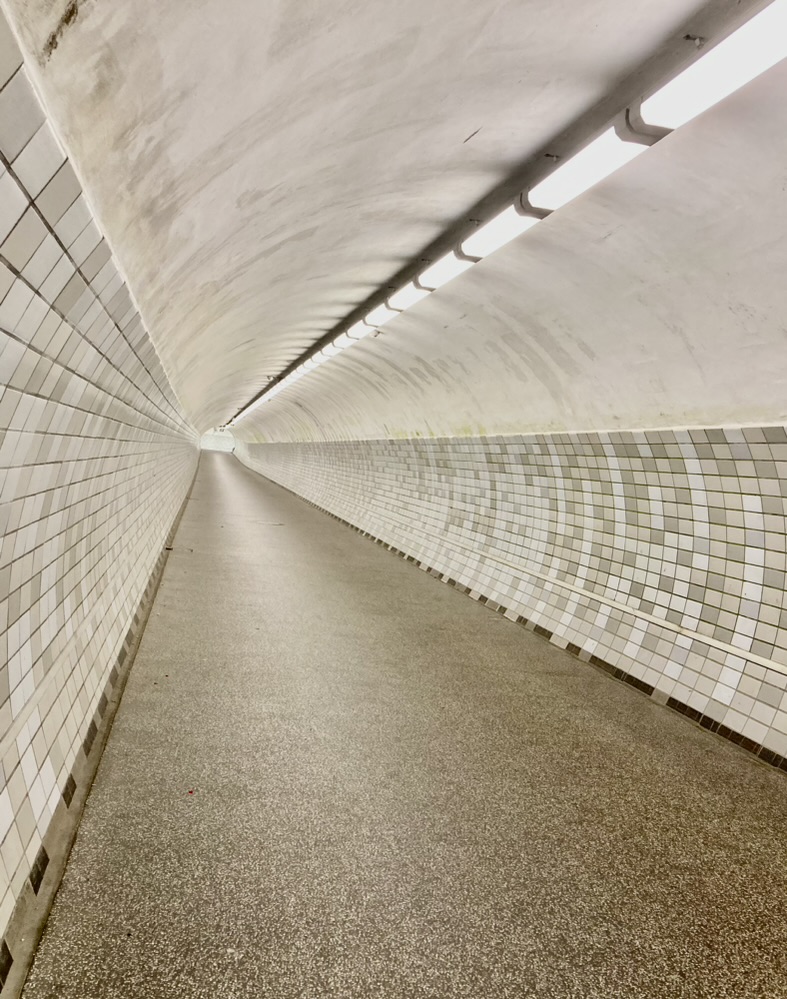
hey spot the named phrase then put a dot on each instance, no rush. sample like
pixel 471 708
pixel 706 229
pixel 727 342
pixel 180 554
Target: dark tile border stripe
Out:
pixel 18 947
pixel 6 962
pixel 757 750
pixel 38 871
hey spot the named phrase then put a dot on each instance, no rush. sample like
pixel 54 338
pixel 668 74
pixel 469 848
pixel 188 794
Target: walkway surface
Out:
pixel 397 794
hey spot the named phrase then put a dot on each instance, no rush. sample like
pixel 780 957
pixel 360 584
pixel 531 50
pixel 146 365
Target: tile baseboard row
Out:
pixel 20 941
pixel 760 752
pixel 659 555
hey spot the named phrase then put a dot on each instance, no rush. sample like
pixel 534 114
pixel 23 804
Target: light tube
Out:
pixel 407 296
pixel 744 55
pixel 359 330
pixel 343 341
pixel 443 270
pixel 246 411
pixel 380 315
pixel 501 230
pixel 596 161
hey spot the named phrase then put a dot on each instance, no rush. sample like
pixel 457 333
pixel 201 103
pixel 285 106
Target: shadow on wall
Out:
pixel 217 439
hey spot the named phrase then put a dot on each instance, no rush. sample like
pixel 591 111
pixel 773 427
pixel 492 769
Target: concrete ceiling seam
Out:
pixel 729 63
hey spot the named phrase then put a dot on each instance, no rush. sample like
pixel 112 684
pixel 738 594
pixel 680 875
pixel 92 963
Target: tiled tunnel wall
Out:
pixel 95 460
pixel 660 554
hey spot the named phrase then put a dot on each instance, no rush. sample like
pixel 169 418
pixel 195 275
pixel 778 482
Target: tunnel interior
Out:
pixel 584 429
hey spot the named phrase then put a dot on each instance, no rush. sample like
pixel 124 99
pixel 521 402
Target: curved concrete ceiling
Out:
pixel 657 299
pixel 260 168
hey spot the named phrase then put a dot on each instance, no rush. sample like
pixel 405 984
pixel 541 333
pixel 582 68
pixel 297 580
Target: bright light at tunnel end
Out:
pixel 748 52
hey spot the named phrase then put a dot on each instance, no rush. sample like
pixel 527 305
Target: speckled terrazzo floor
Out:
pixel 334 776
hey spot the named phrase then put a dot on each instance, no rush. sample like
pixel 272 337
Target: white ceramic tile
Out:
pixel 6 813
pixel 21 115
pixel 73 222
pixel 43 260
pixel 39 161
pixel 12 204
pixel 10 56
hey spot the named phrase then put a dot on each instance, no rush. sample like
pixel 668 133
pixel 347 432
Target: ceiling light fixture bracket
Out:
pixel 465 256
pixel 523 207
pixel 630 127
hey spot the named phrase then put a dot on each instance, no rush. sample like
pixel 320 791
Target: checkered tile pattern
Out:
pixel 95 460
pixel 660 553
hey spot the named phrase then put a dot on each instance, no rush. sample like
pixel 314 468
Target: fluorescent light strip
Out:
pixel 501 230
pixel 747 53
pixel 590 165
pixel 407 296
pixel 342 341
pixel 359 331
pixel 379 316
pixel 443 270
pixel 728 66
